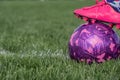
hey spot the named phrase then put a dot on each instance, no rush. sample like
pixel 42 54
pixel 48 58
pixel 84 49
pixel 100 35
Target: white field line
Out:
pixel 48 53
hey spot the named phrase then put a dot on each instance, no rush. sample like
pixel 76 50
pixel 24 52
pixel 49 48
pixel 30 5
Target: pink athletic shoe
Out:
pixel 102 12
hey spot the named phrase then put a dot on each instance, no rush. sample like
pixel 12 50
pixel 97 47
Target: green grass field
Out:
pixel 34 39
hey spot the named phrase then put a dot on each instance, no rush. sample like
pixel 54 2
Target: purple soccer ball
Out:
pixel 94 42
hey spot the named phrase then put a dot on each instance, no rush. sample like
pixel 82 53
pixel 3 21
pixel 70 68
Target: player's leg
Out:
pixel 115 4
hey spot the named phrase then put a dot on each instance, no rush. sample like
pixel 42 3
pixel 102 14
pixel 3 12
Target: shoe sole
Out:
pixel 93 20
